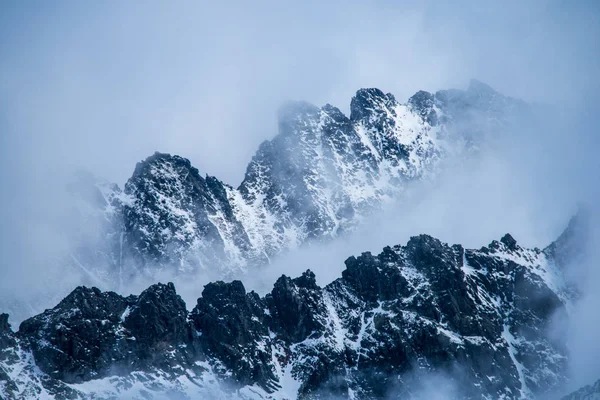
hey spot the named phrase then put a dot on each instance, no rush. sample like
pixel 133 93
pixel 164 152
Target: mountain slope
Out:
pixel 319 177
pixel 476 317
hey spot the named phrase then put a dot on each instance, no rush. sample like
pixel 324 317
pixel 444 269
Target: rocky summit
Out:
pixel 393 325
pixel 319 177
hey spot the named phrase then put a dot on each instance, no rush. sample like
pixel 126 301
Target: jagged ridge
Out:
pixel 478 316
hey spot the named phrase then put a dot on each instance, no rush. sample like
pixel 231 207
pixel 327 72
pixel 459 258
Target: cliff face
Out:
pixel 477 317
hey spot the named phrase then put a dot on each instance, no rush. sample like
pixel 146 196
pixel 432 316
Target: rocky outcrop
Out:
pixel 232 328
pixel 296 308
pixel 91 334
pixel 476 317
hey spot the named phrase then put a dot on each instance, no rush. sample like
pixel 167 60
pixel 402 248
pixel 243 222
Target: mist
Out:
pixel 101 86
pixel 105 85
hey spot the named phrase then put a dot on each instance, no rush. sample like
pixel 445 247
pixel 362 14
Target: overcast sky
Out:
pixel 102 85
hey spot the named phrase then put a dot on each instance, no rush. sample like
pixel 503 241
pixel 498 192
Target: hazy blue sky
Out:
pixel 104 84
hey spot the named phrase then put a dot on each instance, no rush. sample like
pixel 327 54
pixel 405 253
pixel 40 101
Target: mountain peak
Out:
pixel 369 101
pixel 509 242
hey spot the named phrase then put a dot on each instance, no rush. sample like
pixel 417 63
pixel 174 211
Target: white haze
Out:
pixel 102 86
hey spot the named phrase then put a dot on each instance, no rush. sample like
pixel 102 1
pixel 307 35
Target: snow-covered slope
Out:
pixel 479 318
pixel 320 176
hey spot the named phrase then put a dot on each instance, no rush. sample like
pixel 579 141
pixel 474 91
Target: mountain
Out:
pixel 394 324
pixel 589 392
pixel 318 178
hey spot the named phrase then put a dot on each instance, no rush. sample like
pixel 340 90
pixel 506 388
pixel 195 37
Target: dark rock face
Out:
pixel 296 308
pixel 77 341
pixel 6 335
pixel 232 329
pixel 92 334
pixel 157 324
pixel 375 278
pixel 478 317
